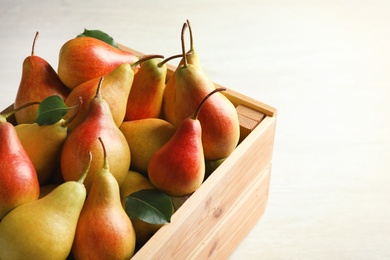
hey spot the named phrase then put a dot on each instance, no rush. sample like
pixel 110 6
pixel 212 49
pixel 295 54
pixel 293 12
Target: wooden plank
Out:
pixel 249 119
pixel 244 213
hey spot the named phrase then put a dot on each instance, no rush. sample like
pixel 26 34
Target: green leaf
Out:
pixel 98 34
pixel 51 110
pixel 149 205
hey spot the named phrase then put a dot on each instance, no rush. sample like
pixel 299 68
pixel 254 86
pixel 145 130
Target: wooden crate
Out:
pixel 215 219
pixel 212 222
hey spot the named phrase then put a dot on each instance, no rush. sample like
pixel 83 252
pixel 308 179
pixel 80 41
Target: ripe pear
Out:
pixel 211 166
pixel 98 123
pixel 115 91
pixel 38 81
pixel 43 145
pixel 85 58
pixel 134 182
pixel 169 98
pixel 146 94
pixel 104 231
pixel 18 178
pixel 45 228
pixel 145 137
pixel 169 95
pixel 219 118
pixel 178 167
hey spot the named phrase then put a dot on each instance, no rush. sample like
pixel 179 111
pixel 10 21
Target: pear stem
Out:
pixel 183 48
pixel 99 87
pixel 191 37
pixel 84 175
pixel 145 58
pixel 169 58
pixel 105 165
pixel 197 111
pixel 6 115
pixel 33 45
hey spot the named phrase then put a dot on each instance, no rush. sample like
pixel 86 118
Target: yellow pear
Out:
pixel 43 145
pixel 145 137
pixel 115 90
pixel 135 181
pixel 45 228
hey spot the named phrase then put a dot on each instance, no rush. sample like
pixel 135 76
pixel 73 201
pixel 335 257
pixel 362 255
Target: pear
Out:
pixel 98 123
pixel 146 94
pixel 219 118
pixel 43 145
pixel 145 137
pixel 211 166
pixel 38 81
pixel 18 178
pixel 115 91
pixel 169 95
pixel 104 231
pixel 169 98
pixel 134 182
pixel 45 228
pixel 178 167
pixel 85 58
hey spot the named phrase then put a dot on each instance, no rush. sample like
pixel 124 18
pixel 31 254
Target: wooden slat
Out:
pixel 249 119
pixel 243 214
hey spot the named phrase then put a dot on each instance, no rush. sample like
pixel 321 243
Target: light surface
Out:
pixel 325 65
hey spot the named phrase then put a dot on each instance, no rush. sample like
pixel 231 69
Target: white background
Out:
pixel 325 65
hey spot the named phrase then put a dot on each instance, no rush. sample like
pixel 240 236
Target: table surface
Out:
pixel 323 64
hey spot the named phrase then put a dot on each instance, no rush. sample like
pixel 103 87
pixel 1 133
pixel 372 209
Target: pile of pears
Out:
pixel 130 126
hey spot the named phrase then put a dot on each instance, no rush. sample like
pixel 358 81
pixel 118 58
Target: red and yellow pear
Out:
pixel 98 123
pixel 146 94
pixel 169 96
pixel 219 118
pixel 85 58
pixel 104 230
pixel 38 81
pixel 18 178
pixel 178 167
